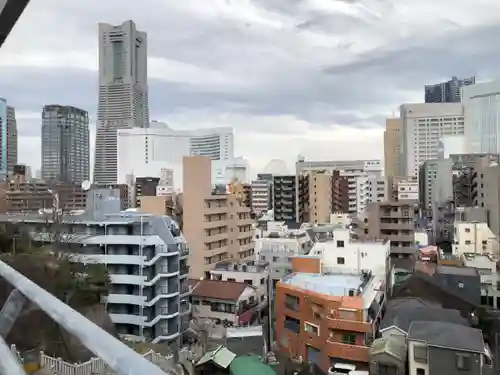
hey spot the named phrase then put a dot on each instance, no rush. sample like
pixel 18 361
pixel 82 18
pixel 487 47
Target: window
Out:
pixel 463 361
pixel 292 324
pixel 340 244
pixel 349 338
pixel 340 260
pixel 311 328
pixel 292 302
pixel 231 280
pixel 248 282
pixel 387 369
pixel 420 353
pixel 420 371
pixel 467 230
pixel 262 281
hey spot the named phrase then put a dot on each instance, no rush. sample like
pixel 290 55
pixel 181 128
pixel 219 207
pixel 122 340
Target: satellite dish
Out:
pixel 86 185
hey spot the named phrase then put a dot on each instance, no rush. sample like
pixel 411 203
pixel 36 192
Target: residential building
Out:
pixel 370 189
pixel 448 348
pixel 340 193
pixel 328 318
pixel 435 184
pixel 255 274
pixel 489 273
pixel 320 197
pixel 278 249
pixel 225 303
pixel 123 93
pixel 405 188
pixel 449 91
pixel 8 139
pixel 340 253
pixel 216 224
pixel 486 190
pixel 65 144
pixel 340 219
pixel 33 196
pixel 149 149
pixel 464 193
pixel 348 169
pixel 261 195
pixel 145 187
pixel 482 124
pixel 291 198
pixel 474 238
pixel 227 171
pixel 392 147
pixel 423 125
pixel 145 255
pixel 394 221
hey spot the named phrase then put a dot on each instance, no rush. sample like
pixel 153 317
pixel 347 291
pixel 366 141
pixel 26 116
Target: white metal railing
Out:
pixel 118 356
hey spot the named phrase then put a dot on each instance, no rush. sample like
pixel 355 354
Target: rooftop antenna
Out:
pixel 86 185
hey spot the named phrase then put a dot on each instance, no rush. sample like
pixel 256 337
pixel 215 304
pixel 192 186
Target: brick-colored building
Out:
pixel 327 318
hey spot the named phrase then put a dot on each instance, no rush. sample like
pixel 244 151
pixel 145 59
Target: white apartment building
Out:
pixel 341 254
pixel 252 273
pixel 277 249
pixel 351 169
pixel 370 189
pixel 474 238
pixel 407 189
pixel 123 92
pixel 490 276
pixel 340 219
pixel 482 117
pixel 452 144
pixel 423 125
pixel 261 195
pixel 145 151
pixel 146 257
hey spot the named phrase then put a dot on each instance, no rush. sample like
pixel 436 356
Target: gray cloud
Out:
pixel 320 66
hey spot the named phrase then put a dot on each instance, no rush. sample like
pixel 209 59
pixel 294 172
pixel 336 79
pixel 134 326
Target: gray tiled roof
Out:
pixel 401 312
pixel 447 335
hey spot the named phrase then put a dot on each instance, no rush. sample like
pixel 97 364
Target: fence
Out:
pixel 94 365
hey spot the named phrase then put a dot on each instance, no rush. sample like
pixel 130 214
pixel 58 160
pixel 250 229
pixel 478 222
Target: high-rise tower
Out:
pixel 123 92
pixel 65 144
pixel 8 139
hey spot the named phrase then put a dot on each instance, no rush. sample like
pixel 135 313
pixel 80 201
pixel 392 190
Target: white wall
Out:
pixel 356 255
pixel 474 238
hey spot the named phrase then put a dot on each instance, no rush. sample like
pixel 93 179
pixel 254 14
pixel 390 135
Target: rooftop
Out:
pixel 447 335
pixel 215 289
pixel 331 285
pixel 460 271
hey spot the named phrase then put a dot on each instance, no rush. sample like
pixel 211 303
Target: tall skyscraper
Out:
pixel 123 92
pixel 447 92
pixel 65 144
pixel 8 138
pixel 423 125
pixel 392 147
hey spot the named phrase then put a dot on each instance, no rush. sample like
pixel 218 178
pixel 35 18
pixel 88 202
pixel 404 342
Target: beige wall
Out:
pixel 156 205
pixel 320 197
pixel 216 227
pixel 392 147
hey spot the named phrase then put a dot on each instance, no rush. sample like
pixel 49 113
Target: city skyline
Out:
pixel 275 112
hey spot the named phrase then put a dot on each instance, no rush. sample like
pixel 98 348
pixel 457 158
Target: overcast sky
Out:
pixel 311 77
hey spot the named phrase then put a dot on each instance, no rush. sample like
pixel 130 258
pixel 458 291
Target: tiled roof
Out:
pixel 224 290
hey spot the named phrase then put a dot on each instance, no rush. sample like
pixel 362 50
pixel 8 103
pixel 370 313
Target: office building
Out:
pixel 123 92
pixel 423 125
pixel 8 139
pixel 392 147
pixel 330 318
pixel 149 296
pixel 348 169
pixel 447 92
pixel 216 223
pixel 148 150
pixel 65 144
pixel 482 117
pixel 435 184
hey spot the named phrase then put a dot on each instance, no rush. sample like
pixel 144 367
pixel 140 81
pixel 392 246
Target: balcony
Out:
pixel 247 307
pixel 349 352
pixel 348 325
